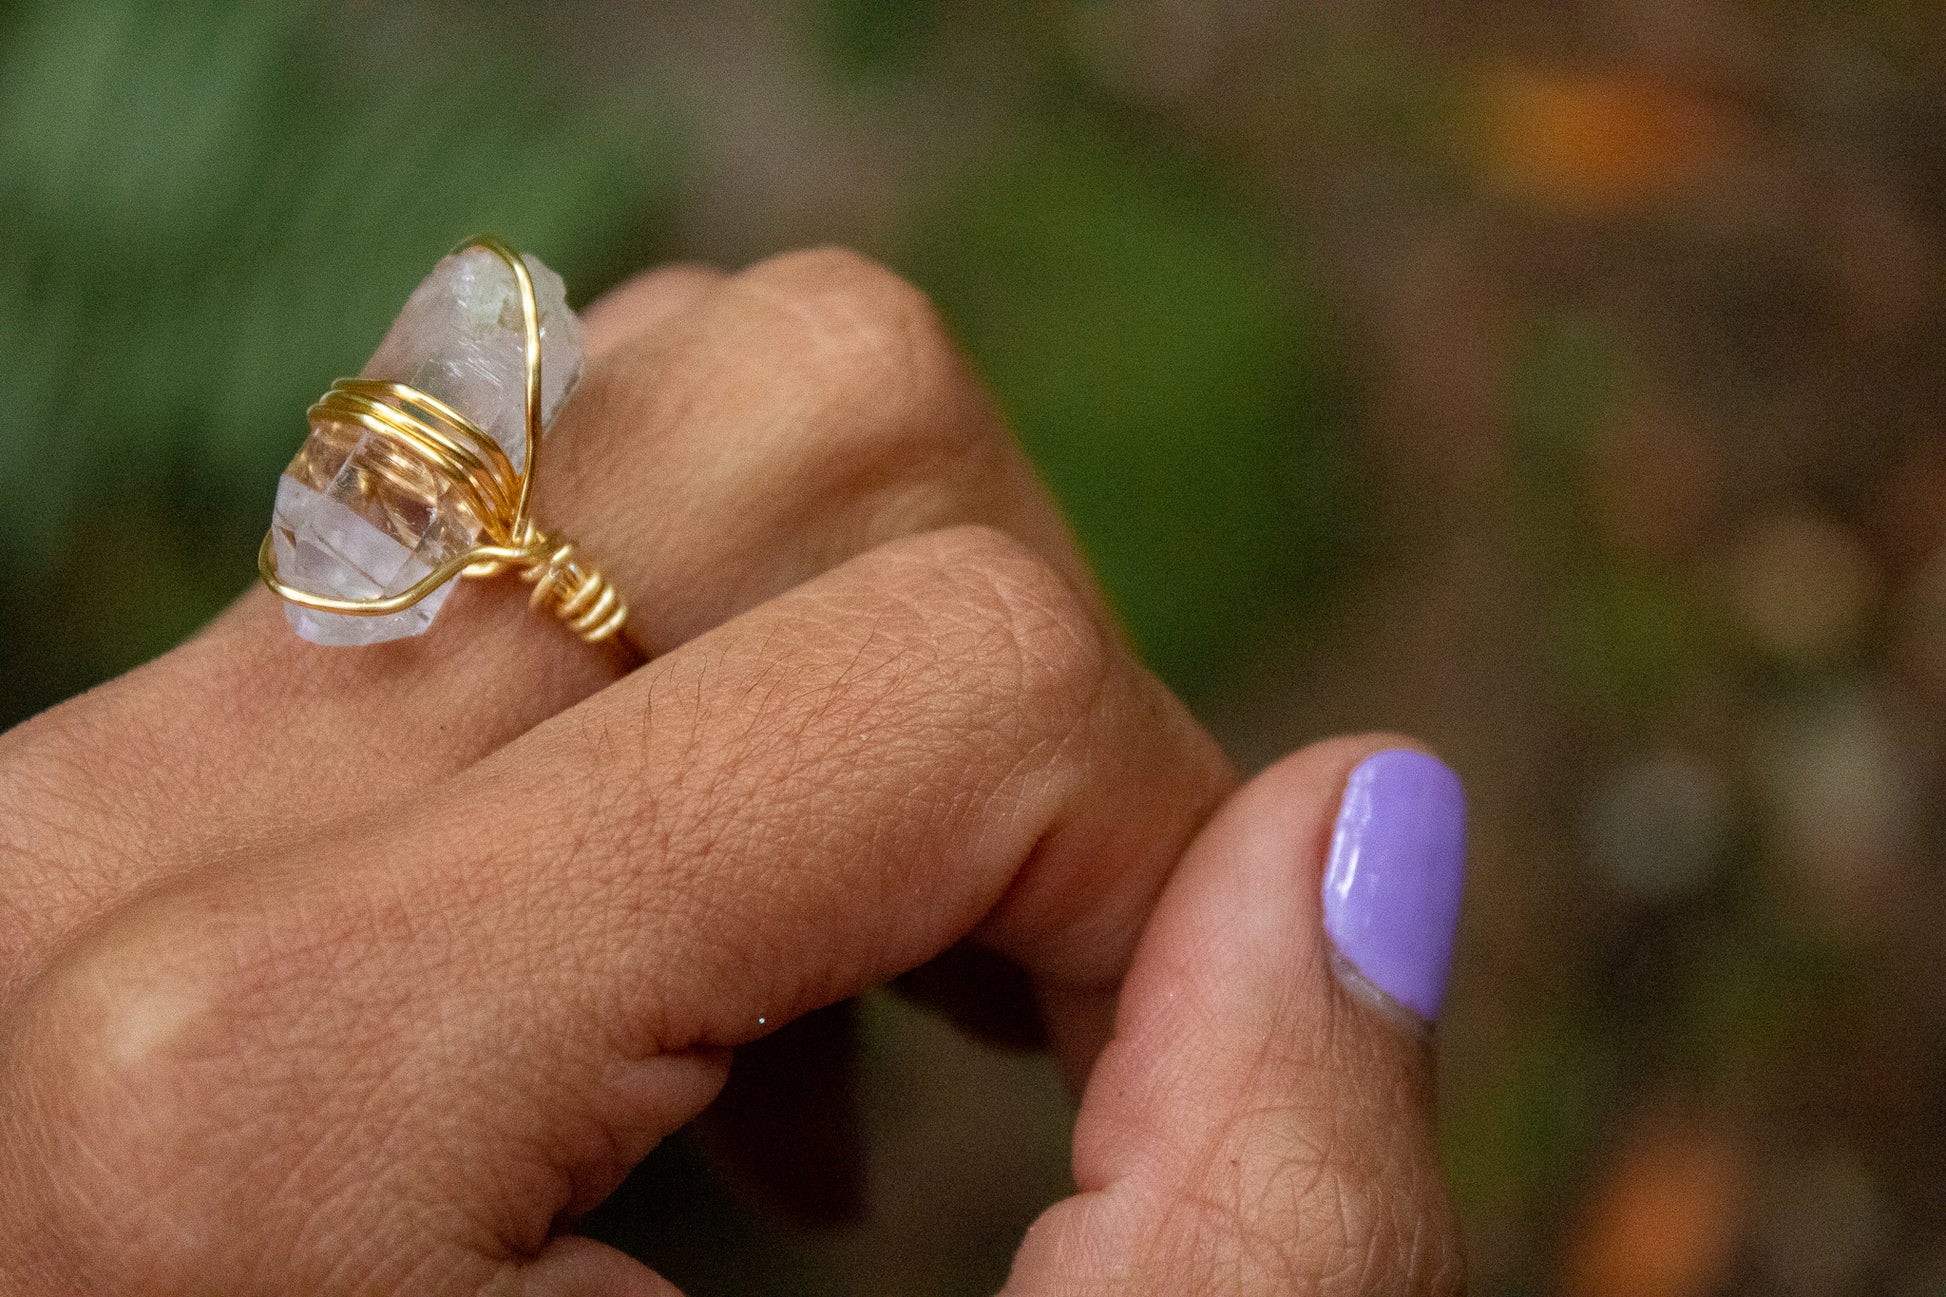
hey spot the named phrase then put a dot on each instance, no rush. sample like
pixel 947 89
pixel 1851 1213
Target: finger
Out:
pixel 1262 1122
pixel 246 733
pixel 535 973
pixel 735 436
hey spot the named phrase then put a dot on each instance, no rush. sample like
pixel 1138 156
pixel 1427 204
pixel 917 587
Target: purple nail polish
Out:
pixel 1398 861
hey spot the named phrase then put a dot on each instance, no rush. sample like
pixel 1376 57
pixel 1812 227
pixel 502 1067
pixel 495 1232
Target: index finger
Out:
pixel 536 974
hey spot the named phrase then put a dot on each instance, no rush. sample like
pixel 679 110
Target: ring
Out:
pixel 421 470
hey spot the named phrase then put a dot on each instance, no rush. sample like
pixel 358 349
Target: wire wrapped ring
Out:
pixel 425 432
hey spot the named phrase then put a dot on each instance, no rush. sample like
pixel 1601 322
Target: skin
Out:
pixel 367 972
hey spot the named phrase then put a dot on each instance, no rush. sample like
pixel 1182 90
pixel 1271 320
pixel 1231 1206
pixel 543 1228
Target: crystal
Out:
pixel 354 518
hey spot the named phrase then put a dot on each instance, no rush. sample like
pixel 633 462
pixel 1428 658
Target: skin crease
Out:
pixel 367 971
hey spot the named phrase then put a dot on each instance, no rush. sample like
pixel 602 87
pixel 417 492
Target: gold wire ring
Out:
pixel 422 429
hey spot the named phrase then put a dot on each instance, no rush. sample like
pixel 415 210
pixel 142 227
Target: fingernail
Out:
pixel 1392 888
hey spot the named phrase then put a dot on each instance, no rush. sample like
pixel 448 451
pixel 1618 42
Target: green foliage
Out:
pixel 1139 327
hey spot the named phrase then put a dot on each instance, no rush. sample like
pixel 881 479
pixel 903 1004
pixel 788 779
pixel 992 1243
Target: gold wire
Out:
pixel 415 428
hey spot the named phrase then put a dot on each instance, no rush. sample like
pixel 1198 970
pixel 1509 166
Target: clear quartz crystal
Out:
pixel 355 520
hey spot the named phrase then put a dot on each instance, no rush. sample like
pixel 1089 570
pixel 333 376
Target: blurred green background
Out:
pixel 1560 383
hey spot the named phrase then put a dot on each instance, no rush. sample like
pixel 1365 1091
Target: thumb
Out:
pixel 1262 1120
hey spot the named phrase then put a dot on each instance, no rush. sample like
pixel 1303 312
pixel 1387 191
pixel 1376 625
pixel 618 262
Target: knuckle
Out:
pixel 631 310
pixel 1025 629
pixel 842 289
pixel 885 363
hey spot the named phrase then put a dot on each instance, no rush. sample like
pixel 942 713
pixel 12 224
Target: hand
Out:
pixel 367 971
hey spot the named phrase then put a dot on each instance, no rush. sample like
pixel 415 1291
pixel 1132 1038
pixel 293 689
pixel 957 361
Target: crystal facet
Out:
pixel 356 520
